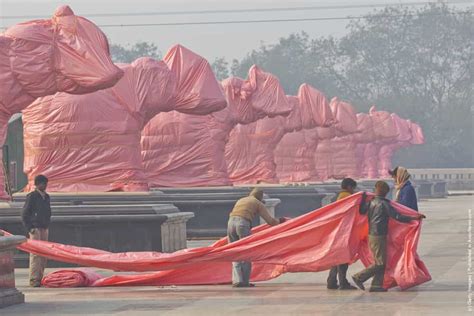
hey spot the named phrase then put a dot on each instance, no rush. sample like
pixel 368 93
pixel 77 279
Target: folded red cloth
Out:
pixel 71 278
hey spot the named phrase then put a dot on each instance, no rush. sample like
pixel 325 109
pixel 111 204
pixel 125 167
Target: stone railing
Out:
pixel 9 295
pixel 455 178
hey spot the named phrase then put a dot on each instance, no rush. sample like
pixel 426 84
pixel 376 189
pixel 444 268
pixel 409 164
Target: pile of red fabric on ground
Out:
pixel 313 242
pixel 71 278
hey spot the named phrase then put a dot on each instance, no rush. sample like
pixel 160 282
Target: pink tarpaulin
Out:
pixel 38 58
pixel 250 150
pixel 364 138
pixel 294 153
pixel 92 142
pixel 187 150
pixel 409 134
pixel 313 242
pixel 334 157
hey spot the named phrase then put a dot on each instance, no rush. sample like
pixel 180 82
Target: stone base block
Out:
pixel 10 297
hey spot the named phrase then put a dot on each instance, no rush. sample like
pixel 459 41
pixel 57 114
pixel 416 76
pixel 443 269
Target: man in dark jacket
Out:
pixel 378 212
pixel 36 217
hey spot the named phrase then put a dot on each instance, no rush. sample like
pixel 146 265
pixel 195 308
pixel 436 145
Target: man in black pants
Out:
pixel 348 187
pixel 36 217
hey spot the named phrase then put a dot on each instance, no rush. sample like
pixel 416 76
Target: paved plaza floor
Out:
pixel 443 246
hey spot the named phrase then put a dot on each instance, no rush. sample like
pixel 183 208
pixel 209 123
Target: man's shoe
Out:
pixel 248 285
pixel 358 282
pixel 238 285
pixel 377 289
pixel 35 284
pixel 332 286
pixel 347 286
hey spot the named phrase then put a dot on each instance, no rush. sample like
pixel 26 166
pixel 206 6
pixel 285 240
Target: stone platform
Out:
pixel 9 295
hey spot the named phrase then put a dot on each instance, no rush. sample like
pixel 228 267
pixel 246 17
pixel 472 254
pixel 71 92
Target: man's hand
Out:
pixel 420 216
pixel 364 197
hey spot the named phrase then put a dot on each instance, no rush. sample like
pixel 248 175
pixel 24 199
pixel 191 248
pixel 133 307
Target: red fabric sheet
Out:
pixel 71 278
pixel 316 241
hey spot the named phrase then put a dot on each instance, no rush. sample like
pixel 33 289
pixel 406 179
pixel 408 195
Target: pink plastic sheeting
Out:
pixel 92 142
pixel 313 242
pixel 38 58
pixel 334 157
pixel 409 134
pixel 198 91
pixel 384 125
pixel 71 278
pixel 250 150
pixel 294 153
pixel 186 150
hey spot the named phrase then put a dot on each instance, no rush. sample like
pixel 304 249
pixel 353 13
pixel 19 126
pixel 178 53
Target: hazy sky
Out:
pixel 229 40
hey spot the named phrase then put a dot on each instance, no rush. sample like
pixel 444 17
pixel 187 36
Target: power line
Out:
pixel 285 9
pixel 270 20
pixel 266 20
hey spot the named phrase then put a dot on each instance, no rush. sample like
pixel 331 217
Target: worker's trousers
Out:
pixel 238 228
pixel 37 263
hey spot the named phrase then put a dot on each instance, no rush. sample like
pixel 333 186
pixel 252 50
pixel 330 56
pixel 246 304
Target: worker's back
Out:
pixel 247 208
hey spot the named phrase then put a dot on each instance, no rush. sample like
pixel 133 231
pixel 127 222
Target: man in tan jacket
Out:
pixel 240 226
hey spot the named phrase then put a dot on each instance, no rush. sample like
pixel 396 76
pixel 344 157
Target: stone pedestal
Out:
pixel 9 295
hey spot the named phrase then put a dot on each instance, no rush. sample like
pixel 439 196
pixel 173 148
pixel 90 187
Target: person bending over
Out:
pixel 240 225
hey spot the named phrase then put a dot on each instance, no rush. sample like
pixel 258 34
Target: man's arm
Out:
pixel 263 212
pixel 400 217
pixel 27 213
pixel 364 205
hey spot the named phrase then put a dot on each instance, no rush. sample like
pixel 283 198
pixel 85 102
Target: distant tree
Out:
pixel 415 62
pixel 128 53
pixel 221 68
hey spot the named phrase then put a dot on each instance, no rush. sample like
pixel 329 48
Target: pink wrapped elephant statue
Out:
pixel 187 150
pixel 250 150
pixel 66 53
pixel 92 142
pixel 334 157
pixel 294 153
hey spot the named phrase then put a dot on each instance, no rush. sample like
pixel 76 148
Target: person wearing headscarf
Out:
pixel 405 192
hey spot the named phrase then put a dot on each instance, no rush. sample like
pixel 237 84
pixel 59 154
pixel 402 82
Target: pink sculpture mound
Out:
pixel 365 147
pixel 188 150
pixel 294 153
pixel 38 58
pixel 250 150
pixel 334 155
pixel 92 142
pixel 386 132
pixel 409 134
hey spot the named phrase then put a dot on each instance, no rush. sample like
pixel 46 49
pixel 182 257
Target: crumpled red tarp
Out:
pixel 71 278
pixel 38 58
pixel 250 150
pixel 313 242
pixel 187 150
